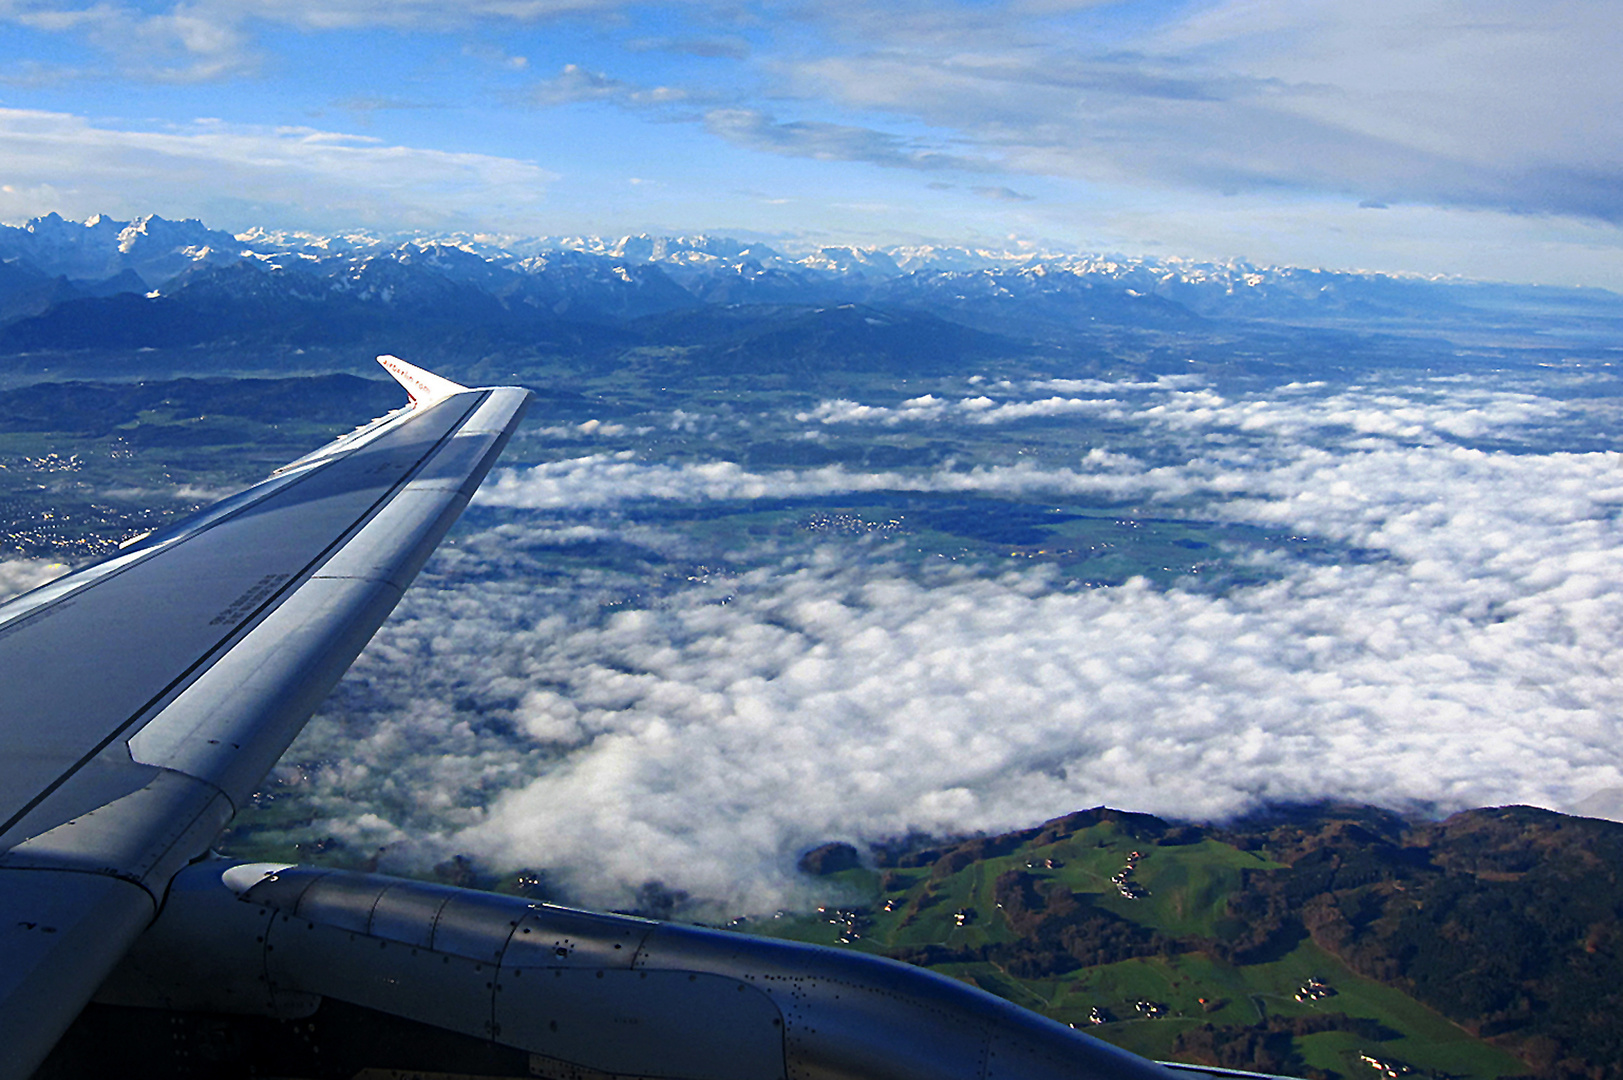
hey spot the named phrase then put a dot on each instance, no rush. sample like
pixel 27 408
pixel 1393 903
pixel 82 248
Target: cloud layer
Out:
pixel 549 705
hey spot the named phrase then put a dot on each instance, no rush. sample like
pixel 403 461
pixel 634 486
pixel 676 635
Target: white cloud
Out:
pixel 610 480
pixel 1002 194
pixel 978 410
pixel 624 728
pixel 325 14
pixel 19 575
pixel 202 40
pixel 1436 102
pixel 496 57
pixel 825 141
pixel 1441 412
pixel 202 494
pixel 575 84
pixel 320 177
pixel 1484 83
pixel 1436 414
pixel 711 741
pixel 586 429
pixel 185 44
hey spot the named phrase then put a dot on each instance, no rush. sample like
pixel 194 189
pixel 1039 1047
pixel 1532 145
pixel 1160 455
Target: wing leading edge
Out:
pixel 144 697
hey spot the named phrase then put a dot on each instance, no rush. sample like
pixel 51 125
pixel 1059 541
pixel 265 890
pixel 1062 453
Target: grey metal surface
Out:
pixel 142 838
pixel 233 722
pixel 1212 1072
pixel 202 956
pixel 448 991
pixel 141 698
pixel 63 932
pixel 849 1015
pixel 79 672
pixel 607 994
pixel 688 1024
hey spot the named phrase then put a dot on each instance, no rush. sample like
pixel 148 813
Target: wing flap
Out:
pixel 231 725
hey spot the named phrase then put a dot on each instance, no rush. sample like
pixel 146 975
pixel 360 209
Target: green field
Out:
pixel 1188 887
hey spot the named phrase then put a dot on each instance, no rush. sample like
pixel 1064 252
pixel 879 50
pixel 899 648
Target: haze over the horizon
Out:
pixel 1435 137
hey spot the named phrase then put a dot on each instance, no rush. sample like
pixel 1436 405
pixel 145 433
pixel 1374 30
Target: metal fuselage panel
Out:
pixel 593 995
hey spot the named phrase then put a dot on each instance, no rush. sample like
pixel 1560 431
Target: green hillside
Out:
pixel 1332 943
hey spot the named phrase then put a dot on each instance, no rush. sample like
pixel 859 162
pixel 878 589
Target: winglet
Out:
pixel 424 387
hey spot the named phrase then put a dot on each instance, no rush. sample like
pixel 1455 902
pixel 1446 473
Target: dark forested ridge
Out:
pixel 1504 920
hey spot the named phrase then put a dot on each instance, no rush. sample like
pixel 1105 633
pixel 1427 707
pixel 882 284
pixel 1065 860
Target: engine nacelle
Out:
pixel 587 996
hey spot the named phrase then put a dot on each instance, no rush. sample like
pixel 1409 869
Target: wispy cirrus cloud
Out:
pixel 824 141
pixel 1440 102
pixel 577 84
pixel 310 175
pixel 757 129
pixel 208 40
pixel 184 44
pixel 496 56
pixel 1002 194
pixel 709 48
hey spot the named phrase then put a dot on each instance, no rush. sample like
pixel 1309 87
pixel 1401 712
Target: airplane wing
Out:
pixel 143 698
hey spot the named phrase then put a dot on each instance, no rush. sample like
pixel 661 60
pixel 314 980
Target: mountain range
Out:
pixel 153 283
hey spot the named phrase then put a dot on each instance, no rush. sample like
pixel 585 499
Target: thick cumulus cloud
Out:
pixel 1444 408
pixel 1442 413
pixel 1441 410
pixel 703 730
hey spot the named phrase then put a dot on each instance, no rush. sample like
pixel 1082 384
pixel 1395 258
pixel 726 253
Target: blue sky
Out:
pixel 1482 138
